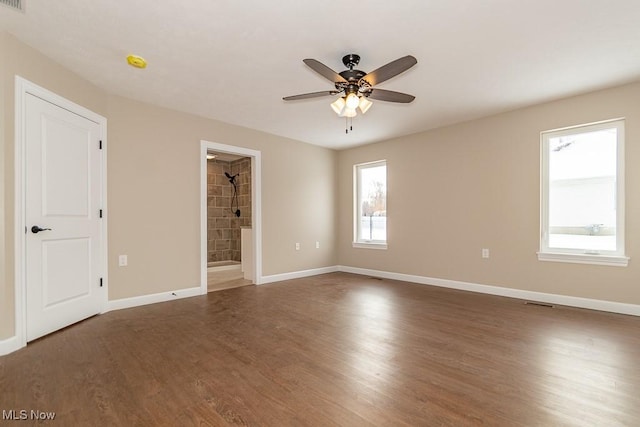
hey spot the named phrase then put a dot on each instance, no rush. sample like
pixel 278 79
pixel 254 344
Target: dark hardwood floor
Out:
pixel 336 349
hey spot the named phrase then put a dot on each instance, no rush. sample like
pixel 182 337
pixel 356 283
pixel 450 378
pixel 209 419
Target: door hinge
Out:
pixel 100 213
pixel 101 282
pixel 100 145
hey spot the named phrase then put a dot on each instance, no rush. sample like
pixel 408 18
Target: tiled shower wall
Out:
pixel 223 227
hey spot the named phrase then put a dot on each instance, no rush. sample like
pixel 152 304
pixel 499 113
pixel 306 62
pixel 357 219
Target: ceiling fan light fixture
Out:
pixel 352 101
pixel 338 105
pixel 365 104
pixel 349 112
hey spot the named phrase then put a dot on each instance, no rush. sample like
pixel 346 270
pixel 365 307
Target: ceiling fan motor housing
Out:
pixel 353 77
pixel 353 83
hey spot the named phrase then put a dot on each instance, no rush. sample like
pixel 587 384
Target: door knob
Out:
pixel 35 229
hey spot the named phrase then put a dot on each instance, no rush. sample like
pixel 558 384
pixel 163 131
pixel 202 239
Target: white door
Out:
pixel 63 188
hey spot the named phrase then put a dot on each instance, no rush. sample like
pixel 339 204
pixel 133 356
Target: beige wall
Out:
pixel 154 184
pixel 154 198
pixel 6 314
pixel 458 189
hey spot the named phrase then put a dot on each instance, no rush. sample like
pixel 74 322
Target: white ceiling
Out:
pixel 234 60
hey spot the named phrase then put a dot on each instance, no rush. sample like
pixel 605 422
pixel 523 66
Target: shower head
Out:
pixel 232 179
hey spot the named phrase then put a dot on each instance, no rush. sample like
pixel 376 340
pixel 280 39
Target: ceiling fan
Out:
pixel 356 86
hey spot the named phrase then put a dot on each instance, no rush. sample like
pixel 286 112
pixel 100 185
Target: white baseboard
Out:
pixel 297 274
pixel 119 304
pixel 592 304
pixel 10 345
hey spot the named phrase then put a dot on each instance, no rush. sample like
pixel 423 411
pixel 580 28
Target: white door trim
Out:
pixel 256 205
pixel 22 88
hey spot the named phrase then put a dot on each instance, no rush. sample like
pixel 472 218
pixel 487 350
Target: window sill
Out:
pixel 365 245
pixel 616 261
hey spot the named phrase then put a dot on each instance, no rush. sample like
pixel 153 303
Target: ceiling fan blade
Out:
pixel 389 70
pixel 324 71
pixel 311 95
pixel 390 96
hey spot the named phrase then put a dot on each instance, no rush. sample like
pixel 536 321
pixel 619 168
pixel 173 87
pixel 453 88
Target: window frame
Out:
pixel 582 256
pixel 357 209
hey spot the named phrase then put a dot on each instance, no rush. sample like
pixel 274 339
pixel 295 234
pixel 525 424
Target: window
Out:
pixel 582 217
pixel 370 202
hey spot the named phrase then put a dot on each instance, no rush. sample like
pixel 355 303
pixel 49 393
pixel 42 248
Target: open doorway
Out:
pixel 228 220
pixel 230 223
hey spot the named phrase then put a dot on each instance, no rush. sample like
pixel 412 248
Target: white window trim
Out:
pixel 363 244
pixel 369 245
pixel 611 258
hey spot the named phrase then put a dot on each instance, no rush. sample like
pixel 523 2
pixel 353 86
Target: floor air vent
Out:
pixel 539 304
pixel 14 4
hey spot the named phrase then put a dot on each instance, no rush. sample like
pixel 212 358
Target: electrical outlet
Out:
pixel 317 245
pixel 297 246
pixel 123 261
pixel 485 253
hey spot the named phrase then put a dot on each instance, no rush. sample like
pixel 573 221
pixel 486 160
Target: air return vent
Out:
pixel 539 304
pixel 14 4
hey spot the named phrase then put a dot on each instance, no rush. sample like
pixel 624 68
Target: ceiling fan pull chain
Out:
pixel 348 124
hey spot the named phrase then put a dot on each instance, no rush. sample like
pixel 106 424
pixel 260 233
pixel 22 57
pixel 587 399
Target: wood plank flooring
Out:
pixel 336 349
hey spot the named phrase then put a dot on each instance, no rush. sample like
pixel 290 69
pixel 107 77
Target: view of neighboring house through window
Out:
pixel 583 190
pixel 371 204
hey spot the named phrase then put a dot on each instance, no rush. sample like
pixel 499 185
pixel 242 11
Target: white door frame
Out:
pixel 256 205
pixel 22 88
